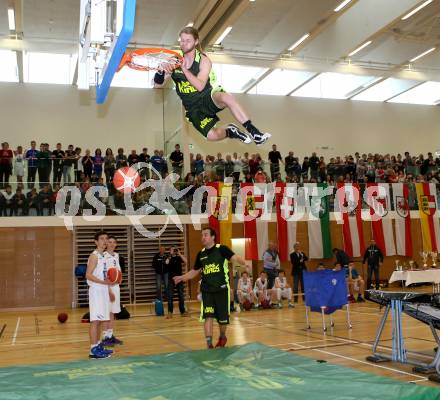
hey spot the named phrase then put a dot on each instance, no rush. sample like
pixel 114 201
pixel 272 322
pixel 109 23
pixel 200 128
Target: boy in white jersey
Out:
pixel 282 289
pixel 244 289
pixel 115 306
pixel 99 295
pixel 260 289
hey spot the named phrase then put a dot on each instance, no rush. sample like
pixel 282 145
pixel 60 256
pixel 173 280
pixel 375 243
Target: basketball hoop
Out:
pixel 150 59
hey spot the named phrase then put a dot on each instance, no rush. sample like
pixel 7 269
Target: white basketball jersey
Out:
pixel 282 282
pixel 245 284
pixel 113 260
pixel 100 270
pixel 260 285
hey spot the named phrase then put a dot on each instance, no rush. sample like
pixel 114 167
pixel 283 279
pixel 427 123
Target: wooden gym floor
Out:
pixel 36 337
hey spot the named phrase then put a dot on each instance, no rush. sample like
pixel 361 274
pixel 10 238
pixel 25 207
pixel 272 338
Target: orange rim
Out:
pixel 127 59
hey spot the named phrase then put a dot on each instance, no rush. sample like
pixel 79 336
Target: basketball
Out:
pixel 62 317
pixel 126 179
pixel 247 305
pixel 114 275
pixel 265 304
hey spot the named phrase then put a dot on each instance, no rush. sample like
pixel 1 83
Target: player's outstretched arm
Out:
pixel 240 260
pixel 186 277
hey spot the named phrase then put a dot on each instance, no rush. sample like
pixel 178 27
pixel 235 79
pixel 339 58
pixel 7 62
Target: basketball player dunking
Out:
pixel 202 98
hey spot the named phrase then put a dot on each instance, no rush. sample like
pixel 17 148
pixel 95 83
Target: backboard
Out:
pixel 106 27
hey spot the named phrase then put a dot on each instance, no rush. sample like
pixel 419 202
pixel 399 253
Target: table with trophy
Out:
pixel 411 273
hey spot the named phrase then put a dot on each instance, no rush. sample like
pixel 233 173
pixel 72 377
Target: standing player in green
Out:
pixel 212 263
pixel 202 98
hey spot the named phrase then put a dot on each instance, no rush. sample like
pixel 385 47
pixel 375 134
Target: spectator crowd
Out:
pixel 30 179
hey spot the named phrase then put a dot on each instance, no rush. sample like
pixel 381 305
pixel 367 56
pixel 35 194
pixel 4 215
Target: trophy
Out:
pixel 398 267
pixel 411 265
pixel 424 256
pixel 434 256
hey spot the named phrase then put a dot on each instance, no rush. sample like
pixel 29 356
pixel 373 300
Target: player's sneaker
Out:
pixel 97 353
pixel 221 342
pixel 116 341
pixel 261 138
pixel 291 305
pixel 107 342
pixel 234 132
pixel 103 349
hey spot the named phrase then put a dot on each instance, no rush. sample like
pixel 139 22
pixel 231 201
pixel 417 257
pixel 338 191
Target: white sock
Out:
pixel 108 333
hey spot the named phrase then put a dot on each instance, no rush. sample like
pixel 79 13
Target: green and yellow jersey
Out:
pixel 189 95
pixel 213 264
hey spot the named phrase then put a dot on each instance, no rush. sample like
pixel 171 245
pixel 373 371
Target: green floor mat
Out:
pixel 252 371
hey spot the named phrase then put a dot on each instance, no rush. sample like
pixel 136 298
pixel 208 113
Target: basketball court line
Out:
pixel 370 364
pixel 301 347
pixel 14 338
pixel 3 329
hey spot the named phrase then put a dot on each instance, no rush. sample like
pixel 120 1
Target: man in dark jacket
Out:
pixel 160 266
pixel 175 268
pixel 298 260
pixel 374 258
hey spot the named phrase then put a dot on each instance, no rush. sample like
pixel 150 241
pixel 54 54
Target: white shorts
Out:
pixel 244 295
pixel 285 293
pixel 115 307
pixel 99 303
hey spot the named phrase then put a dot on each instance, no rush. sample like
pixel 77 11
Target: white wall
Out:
pixel 304 125
pixel 133 118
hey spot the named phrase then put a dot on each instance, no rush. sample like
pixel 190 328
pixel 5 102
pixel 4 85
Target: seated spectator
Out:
pixel 7 201
pixel 261 291
pixel 355 283
pixel 45 200
pixel 33 202
pixel 20 203
pixel 320 267
pixel 244 289
pixel 282 289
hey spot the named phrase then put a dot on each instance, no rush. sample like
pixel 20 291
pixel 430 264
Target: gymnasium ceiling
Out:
pixel 262 32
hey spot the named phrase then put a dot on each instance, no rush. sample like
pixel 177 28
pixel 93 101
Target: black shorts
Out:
pixel 203 115
pixel 216 305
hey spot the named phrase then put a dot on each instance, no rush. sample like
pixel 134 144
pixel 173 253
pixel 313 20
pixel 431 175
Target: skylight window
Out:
pixel 281 82
pixel 332 85
pixel 385 90
pixel 427 93
pixel 8 66
pixel 49 68
pixel 237 78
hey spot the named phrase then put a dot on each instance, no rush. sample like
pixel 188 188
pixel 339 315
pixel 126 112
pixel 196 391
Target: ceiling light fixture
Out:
pixel 360 48
pixel 416 10
pixel 422 55
pixel 342 5
pixel 299 41
pixel 11 19
pixel 223 35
